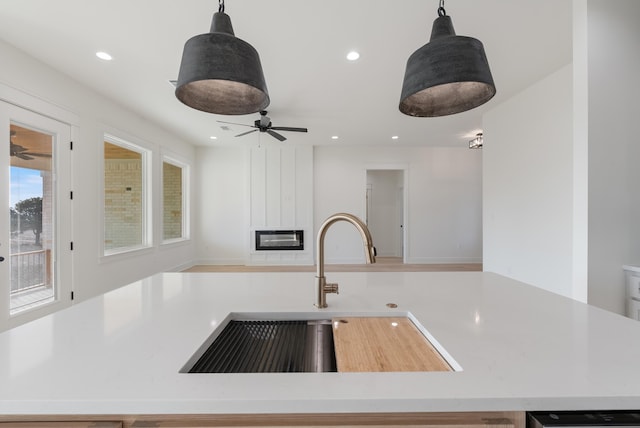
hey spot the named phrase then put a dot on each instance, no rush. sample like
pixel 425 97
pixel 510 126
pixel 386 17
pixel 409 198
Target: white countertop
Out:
pixel 520 348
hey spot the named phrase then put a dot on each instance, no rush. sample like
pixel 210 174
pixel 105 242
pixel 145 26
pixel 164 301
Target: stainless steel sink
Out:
pixel 262 346
pixel 282 342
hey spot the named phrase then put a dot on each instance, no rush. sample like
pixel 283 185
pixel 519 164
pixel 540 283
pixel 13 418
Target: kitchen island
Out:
pixel 517 348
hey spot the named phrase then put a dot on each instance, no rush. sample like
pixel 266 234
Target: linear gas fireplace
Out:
pixel 278 240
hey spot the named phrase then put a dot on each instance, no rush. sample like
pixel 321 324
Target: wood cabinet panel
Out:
pixel 369 420
pixel 61 424
pixel 349 420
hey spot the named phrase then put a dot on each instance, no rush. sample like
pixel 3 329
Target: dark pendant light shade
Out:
pixel 220 73
pixel 448 75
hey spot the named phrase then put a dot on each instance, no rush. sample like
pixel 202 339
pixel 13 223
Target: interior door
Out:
pixel 35 229
pixel 400 221
pixel 385 210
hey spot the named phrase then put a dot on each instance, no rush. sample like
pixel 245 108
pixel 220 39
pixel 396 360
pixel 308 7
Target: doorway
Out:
pixel 35 267
pixel 385 212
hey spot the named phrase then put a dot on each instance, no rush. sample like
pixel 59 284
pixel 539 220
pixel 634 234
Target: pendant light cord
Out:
pixel 221 6
pixel 441 11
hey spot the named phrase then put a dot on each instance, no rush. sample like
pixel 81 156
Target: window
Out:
pixel 174 200
pixel 31 214
pixel 126 196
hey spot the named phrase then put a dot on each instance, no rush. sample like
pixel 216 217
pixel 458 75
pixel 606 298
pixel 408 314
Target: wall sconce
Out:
pixel 220 73
pixel 448 75
pixel 476 143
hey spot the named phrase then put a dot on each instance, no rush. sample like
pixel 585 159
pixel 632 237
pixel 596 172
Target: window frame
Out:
pixel 146 153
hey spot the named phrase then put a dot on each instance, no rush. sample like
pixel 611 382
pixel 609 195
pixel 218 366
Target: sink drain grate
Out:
pixel 262 346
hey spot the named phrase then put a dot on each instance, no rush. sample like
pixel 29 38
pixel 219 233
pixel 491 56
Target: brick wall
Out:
pixel 123 203
pixel 172 201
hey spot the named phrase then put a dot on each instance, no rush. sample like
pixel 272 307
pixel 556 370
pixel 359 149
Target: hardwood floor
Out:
pixel 383 264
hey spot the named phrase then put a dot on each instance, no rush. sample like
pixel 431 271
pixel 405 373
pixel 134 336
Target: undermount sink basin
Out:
pixel 264 346
pixel 296 343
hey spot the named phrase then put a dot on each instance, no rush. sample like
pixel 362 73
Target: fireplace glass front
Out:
pixel 270 240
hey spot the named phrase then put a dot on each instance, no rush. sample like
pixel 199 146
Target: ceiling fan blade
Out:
pixel 233 123
pixel 245 133
pixel 286 128
pixel 17 148
pixel 22 156
pixel 42 155
pixel 275 135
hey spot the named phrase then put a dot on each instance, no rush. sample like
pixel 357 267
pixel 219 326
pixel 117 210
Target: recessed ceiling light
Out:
pixel 104 56
pixel 395 137
pixel 335 137
pixel 213 137
pixel 353 55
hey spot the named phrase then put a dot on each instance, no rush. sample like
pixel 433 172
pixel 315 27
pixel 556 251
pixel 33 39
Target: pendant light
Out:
pixel 448 75
pixel 221 73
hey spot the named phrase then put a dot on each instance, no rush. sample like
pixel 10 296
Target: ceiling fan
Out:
pixel 264 125
pixel 22 152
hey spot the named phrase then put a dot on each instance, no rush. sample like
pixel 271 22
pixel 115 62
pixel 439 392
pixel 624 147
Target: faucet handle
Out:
pixel 331 288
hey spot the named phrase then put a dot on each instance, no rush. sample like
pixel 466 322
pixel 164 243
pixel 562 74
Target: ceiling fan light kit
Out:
pixel 448 75
pixel 220 73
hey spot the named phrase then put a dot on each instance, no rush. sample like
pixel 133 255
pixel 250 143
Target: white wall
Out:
pixel 443 193
pixel 443 187
pixel 281 198
pixel 599 203
pixel 613 111
pixel 247 188
pixel 580 153
pixel 92 274
pixel 528 185
pixel 222 205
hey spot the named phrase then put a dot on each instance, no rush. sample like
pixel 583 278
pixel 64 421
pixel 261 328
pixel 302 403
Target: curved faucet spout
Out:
pixel 322 288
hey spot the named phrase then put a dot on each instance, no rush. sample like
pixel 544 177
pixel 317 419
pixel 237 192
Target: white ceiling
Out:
pixel 302 46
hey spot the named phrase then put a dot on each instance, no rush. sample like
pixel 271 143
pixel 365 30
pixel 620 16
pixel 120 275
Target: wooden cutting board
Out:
pixel 383 344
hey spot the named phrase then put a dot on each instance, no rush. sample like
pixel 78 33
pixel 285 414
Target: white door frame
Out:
pixel 21 108
pixel 405 199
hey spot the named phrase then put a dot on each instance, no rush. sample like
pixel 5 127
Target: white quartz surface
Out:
pixel 520 348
